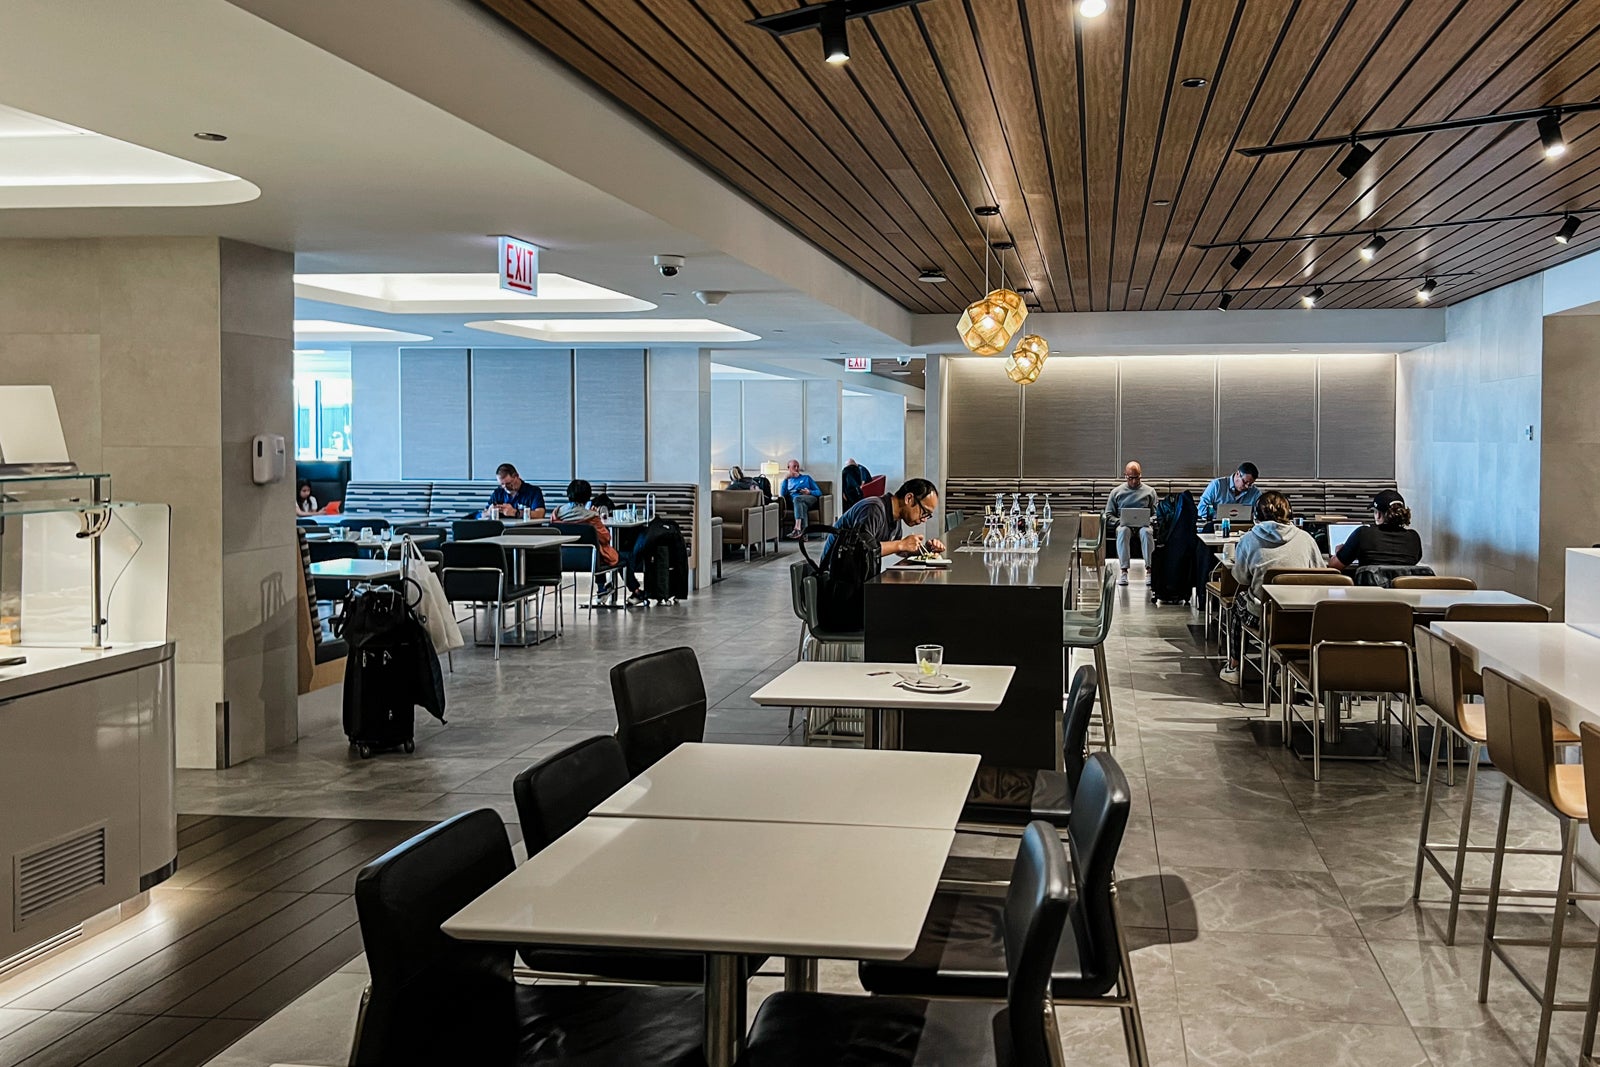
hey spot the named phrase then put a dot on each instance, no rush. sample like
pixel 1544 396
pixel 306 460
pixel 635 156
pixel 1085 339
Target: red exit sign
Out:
pixel 857 363
pixel 519 266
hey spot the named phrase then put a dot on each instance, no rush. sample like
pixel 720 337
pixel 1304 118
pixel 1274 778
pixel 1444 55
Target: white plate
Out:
pixel 939 683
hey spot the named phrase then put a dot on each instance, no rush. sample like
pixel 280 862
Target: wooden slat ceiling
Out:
pixel 1077 128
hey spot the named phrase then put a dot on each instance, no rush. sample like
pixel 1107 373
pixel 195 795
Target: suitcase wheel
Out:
pixel 410 747
pixel 364 750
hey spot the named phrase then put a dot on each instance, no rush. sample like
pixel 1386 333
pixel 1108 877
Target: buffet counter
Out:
pixel 86 781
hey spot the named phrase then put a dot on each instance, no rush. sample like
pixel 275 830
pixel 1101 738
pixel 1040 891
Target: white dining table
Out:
pixel 1558 661
pixel 724 888
pixel 873 688
pixel 356 570
pixel 518 545
pixel 1422 601
pixel 785 784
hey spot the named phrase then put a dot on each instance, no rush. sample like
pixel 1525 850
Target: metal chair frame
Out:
pixel 1291 715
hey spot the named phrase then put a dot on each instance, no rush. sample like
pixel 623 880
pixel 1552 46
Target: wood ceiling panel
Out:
pixel 1074 127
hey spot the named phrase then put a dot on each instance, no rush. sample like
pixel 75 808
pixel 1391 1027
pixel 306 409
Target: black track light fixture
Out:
pixel 1425 290
pixel 835 38
pixel 1550 137
pixel 1224 302
pixel 1241 257
pixel 1569 226
pixel 1373 246
pixel 1310 299
pixel 1354 160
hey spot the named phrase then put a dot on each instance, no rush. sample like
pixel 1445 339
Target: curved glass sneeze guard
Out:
pixel 61 540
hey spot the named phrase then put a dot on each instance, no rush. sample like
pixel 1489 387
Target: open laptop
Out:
pixel 1134 518
pixel 1339 533
pixel 1236 512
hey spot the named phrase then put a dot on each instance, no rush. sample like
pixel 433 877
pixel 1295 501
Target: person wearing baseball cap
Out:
pixel 1389 542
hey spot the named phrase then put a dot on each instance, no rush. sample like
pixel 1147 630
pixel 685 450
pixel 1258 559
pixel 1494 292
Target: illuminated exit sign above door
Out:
pixel 861 363
pixel 519 266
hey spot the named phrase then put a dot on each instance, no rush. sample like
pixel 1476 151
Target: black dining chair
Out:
pixel 552 797
pixel 583 557
pixel 375 525
pixel 1017 1030
pixel 661 703
pixel 434 1000
pixel 1016 796
pixel 962 951
pixel 477 574
pixel 475 529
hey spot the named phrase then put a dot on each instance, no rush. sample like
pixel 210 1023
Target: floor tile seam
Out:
pixel 256 852
pixel 275 974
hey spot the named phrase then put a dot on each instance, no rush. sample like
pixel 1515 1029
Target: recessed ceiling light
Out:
pixel 1161 203
pixel 1091 9
pixel 1193 83
pixel 460 294
pixel 627 331
pixel 1136 289
pixel 206 136
pixel 329 330
pixel 932 276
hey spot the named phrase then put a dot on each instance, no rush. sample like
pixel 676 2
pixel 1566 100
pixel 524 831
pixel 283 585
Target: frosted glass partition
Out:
pixel 56 576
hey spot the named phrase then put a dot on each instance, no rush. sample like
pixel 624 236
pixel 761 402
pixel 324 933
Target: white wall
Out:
pixel 875 434
pixel 758 420
pixel 1463 458
pixel 375 413
pixel 679 443
pixel 1569 448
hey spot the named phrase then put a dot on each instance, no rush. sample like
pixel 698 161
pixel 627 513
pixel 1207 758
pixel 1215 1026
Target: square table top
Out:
pixel 527 541
pixel 872 685
pixel 781 783
pixel 1427 601
pixel 785 889
pixel 1560 662
pixel 356 569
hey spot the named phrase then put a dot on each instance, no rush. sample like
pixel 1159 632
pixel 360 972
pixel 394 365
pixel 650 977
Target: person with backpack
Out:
pixel 855 549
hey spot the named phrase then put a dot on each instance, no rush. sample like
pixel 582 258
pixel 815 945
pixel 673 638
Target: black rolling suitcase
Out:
pixel 1174 561
pixel 658 575
pixel 392 668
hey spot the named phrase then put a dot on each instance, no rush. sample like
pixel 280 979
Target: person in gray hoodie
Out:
pixel 1273 542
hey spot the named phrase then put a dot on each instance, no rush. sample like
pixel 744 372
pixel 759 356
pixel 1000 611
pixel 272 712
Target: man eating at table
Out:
pixel 880 518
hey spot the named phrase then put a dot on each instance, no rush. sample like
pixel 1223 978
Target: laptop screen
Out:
pixel 1340 532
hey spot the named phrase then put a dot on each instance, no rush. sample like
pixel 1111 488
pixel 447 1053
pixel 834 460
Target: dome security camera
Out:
pixel 904 361
pixel 669 265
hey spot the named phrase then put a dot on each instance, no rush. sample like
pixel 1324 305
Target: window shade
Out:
pixel 609 408
pixel 433 413
pixel 522 412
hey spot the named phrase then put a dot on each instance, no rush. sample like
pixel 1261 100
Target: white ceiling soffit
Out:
pixel 1209 332
pixel 307 331
pixel 723 372
pixel 49 164
pixel 462 294
pixel 617 331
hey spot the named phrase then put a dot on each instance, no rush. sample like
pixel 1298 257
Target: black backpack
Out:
pixel 842 577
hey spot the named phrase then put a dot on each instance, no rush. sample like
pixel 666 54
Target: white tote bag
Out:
pixel 435 609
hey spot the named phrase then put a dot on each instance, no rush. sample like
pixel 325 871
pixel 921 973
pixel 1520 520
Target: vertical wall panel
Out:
pixel 727 406
pixel 1169 415
pixel 774 423
pixel 1356 431
pixel 1268 407
pixel 983 415
pixel 522 413
pixel 1070 421
pixel 433 413
pixel 609 406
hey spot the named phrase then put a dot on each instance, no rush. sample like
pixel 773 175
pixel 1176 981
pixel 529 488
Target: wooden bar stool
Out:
pixel 1521 736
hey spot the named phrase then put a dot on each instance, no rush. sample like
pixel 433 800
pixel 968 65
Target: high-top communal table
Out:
pixel 983 610
pixel 1422 601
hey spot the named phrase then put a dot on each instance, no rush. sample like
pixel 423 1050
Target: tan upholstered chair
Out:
pixel 1431 581
pixel 743 517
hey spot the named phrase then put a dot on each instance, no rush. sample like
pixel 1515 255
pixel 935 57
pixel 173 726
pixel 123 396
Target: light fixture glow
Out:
pixel 314 330
pixel 1354 160
pixel 1310 299
pixel 1569 226
pixel 626 331
pixel 1091 9
pixel 1425 290
pixel 835 37
pixel 1373 246
pixel 460 294
pixel 1550 136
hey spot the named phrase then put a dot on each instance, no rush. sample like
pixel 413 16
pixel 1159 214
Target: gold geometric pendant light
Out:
pixel 1027 359
pixel 987 325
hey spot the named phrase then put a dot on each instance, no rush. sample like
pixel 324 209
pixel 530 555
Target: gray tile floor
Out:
pixel 1271 913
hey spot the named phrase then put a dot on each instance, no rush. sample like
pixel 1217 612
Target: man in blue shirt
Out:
pixel 515 494
pixel 804 496
pixel 1236 488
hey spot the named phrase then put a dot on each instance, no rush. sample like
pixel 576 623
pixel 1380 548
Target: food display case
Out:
pixel 86 706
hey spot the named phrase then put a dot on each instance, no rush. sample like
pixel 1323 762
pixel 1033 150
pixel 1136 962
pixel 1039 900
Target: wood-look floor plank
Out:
pixel 270 877
pixel 234 985
pixel 277 992
pixel 152 1039
pixel 251 921
pixel 226 868
pixel 41 1033
pixel 200 1045
pixel 203 829
pixel 188 976
pixel 232 842
pixel 112 1038
pixel 377 840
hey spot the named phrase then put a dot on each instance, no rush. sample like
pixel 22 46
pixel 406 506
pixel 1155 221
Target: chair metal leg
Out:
pixel 1107 720
pixel 1132 1022
pixel 1586 1045
pixel 1316 736
pixel 1494 894
pixel 1427 810
pixel 1416 739
pixel 1461 843
pixel 1552 970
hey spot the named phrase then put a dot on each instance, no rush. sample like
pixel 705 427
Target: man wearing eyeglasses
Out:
pixel 881 518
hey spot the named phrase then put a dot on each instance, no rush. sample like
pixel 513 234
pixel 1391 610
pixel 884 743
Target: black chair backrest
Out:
pixel 306 520
pixel 472 529
pixel 578 557
pixel 468 554
pixel 465 571
pixel 375 525
pixel 1075 723
pixel 1094 833
pixel 1035 915
pixel 661 703
pixel 435 999
pixel 560 791
pixel 323 551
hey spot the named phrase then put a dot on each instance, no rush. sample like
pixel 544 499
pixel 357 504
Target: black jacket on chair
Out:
pixel 663 532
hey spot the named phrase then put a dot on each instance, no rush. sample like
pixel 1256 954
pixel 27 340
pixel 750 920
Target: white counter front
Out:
pixel 86 783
